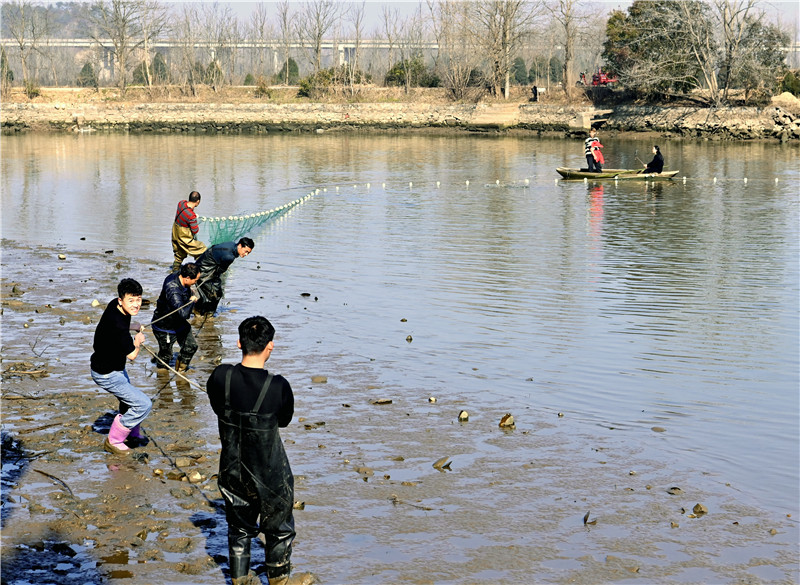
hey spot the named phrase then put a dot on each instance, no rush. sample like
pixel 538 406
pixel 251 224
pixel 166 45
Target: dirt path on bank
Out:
pixel 550 501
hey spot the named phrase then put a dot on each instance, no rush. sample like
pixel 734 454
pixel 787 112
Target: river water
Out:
pixel 460 266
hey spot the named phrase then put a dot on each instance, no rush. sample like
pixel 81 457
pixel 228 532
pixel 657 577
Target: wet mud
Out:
pixel 390 487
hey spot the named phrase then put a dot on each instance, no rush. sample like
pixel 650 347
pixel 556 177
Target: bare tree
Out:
pixel 457 55
pixel 285 18
pixel 504 23
pixel 390 16
pixel 116 26
pixel 187 31
pixel 261 30
pixel 567 14
pixel 153 22
pixel 220 31
pixel 28 25
pixel 356 14
pixel 699 36
pixel 407 34
pixel 314 22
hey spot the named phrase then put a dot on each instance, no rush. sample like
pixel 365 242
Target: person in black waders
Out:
pixel 171 318
pixel 212 264
pixel 255 478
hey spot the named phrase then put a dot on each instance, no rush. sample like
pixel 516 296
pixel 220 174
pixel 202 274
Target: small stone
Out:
pixel 463 416
pixel 409 339
pixel 62 257
pixel 507 422
pixel 319 379
pixel 658 429
pixel 700 509
pixel 95 303
pixel 432 399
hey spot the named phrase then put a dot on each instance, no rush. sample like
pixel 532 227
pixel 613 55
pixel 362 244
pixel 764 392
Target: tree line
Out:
pixel 708 50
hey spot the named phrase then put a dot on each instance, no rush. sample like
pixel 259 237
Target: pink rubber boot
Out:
pixel 115 442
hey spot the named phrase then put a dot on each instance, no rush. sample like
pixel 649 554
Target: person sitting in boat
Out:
pixel 657 164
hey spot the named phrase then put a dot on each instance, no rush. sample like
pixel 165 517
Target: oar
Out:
pixel 636 156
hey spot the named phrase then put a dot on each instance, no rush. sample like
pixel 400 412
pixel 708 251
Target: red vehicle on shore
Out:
pixel 598 78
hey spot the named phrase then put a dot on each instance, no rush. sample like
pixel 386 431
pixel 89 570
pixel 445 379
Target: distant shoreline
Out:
pixel 62 111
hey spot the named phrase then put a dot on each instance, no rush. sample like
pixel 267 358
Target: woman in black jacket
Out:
pixel 657 164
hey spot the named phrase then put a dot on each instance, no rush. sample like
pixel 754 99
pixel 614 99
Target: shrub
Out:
pixel 316 85
pixel 5 70
pixel 249 79
pixel 158 72
pixel 415 71
pixel 263 89
pixel 32 89
pixel 87 77
pixel 791 83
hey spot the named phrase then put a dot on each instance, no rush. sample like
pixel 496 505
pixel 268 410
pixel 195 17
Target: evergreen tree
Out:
pixel 87 77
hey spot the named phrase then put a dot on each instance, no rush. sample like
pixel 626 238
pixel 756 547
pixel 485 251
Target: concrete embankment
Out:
pixel 772 122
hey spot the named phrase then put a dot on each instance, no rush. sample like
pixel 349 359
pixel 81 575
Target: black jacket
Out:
pixel 173 295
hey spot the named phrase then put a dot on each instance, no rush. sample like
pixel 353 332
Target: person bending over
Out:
pixel 171 317
pixel 212 265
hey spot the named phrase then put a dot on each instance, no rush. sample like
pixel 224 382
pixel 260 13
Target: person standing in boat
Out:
pixel 590 146
pixel 657 164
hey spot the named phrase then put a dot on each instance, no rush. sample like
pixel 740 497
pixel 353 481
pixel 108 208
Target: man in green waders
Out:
pixel 255 478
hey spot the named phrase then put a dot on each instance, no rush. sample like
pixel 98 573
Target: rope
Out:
pixel 171 369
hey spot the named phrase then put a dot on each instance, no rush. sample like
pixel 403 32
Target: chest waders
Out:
pixel 257 485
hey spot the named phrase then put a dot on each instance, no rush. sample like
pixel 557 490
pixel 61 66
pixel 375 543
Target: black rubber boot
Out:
pixel 239 555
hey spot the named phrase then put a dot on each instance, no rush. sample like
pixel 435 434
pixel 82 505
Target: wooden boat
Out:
pixel 616 174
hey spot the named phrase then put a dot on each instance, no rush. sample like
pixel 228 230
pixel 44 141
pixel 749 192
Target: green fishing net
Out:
pixel 215 230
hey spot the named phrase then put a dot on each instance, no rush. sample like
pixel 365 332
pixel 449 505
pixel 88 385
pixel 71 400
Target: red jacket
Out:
pixel 597 153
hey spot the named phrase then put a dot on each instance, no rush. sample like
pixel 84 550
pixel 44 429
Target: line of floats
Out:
pixel 567 174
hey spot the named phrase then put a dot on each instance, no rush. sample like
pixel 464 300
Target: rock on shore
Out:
pixel 779 121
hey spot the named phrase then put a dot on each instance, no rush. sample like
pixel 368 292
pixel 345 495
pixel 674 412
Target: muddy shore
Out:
pixel 550 501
